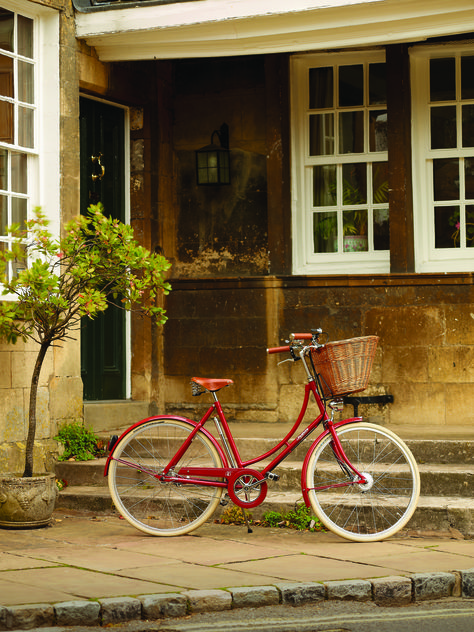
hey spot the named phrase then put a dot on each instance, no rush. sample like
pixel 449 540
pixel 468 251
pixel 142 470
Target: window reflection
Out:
pixel 378 130
pixel 321 134
pixel 6 30
pixel 446 179
pixel 443 79
pixel 325 232
pixel 443 127
pixel 324 185
pixel 351 132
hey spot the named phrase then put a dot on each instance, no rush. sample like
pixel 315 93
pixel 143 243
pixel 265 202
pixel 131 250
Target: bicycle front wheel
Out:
pixel 155 507
pixel 377 509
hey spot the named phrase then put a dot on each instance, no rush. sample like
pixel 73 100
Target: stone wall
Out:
pixel 424 357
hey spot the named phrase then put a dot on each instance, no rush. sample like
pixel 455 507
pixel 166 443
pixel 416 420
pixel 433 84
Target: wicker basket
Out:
pixel 344 366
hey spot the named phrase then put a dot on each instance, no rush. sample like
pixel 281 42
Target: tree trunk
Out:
pixel 30 441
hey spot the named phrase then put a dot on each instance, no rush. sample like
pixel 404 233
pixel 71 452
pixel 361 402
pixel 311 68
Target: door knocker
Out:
pixel 98 176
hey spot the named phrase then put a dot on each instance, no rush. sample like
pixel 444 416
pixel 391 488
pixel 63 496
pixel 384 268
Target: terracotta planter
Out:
pixel 26 503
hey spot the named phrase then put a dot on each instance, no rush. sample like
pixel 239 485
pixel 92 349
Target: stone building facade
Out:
pixel 248 263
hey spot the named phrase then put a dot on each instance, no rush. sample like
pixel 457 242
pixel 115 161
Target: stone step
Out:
pixel 433 512
pixel 432 450
pixel 436 479
pixel 102 416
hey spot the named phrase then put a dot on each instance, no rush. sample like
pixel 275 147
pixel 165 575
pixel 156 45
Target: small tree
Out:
pixel 98 260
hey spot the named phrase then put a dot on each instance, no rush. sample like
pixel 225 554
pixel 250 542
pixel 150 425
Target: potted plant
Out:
pixel 455 222
pixel 58 282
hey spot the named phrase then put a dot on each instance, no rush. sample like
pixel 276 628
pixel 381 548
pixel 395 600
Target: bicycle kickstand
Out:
pixel 249 530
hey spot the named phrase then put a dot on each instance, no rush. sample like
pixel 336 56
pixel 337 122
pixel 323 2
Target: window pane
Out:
pixel 380 183
pixel 321 134
pixel 470 226
pixel 25 36
pixel 378 130
pixel 18 265
pixel 468 125
pixel 6 30
pixel 447 227
pixel 469 178
pixel 25 127
pixel 6 122
pixel 467 77
pixel 19 173
pixel 442 79
pixel 3 169
pixel 325 232
pixel 25 82
pixel 351 132
pixel 3 214
pixel 354 184
pixel 381 229
pixel 19 206
pixel 6 76
pixel 446 178
pixel 324 185
pixel 321 87
pixel 355 230
pixel 443 127
pixel 377 84
pixel 351 85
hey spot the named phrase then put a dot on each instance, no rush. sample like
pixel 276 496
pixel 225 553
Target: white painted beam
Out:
pixel 226 28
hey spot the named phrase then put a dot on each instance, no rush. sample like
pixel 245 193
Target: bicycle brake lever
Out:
pixel 283 361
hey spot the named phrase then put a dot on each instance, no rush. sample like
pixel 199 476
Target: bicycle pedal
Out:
pixel 223 502
pixel 271 476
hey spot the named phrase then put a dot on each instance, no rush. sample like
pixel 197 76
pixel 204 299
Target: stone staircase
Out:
pixel 446 469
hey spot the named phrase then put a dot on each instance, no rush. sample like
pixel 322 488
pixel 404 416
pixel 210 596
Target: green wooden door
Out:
pixel 102 180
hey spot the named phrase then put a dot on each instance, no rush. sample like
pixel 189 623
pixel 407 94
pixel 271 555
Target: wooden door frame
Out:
pixel 126 170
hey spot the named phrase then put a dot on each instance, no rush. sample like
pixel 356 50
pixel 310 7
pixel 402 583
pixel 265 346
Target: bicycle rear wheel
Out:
pixel 381 507
pixel 158 508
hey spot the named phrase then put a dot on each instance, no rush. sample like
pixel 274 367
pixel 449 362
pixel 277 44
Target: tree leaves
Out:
pixel 97 260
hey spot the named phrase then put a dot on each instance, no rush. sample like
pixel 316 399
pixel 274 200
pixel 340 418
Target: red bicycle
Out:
pixel 168 474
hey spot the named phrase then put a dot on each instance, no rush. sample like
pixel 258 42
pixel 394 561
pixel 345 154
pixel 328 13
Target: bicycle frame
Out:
pixel 232 462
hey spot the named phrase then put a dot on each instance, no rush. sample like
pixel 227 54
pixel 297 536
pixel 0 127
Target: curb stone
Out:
pixel 467 583
pixel 384 591
pixel 119 609
pixel 77 613
pixel 349 590
pixel 392 591
pixel 208 600
pixel 36 615
pixel 255 597
pixel 168 605
pixel 432 585
pixel 297 594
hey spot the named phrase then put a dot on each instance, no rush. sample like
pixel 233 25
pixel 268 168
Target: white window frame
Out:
pixel 427 257
pixel 44 171
pixel 305 261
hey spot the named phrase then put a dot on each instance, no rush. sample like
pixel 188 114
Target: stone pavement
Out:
pixel 90 570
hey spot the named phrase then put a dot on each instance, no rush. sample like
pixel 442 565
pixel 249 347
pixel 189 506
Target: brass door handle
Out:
pixel 98 176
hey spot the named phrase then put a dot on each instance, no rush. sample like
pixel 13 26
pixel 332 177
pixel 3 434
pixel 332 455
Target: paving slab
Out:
pixel 9 561
pixel 309 568
pixel 84 559
pixel 193 576
pixel 13 593
pixel 75 582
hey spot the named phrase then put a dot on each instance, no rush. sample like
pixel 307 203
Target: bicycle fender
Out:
pixel 170 418
pixel 344 422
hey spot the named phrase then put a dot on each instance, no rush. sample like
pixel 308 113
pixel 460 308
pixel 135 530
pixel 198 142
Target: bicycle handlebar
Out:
pixel 295 338
pixel 279 349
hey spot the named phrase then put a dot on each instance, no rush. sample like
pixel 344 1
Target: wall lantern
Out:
pixel 212 161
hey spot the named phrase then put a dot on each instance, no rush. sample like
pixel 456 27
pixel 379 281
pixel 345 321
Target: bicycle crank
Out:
pixel 247 488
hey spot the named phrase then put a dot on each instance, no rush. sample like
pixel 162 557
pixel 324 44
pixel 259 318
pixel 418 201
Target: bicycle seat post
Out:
pixel 225 443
